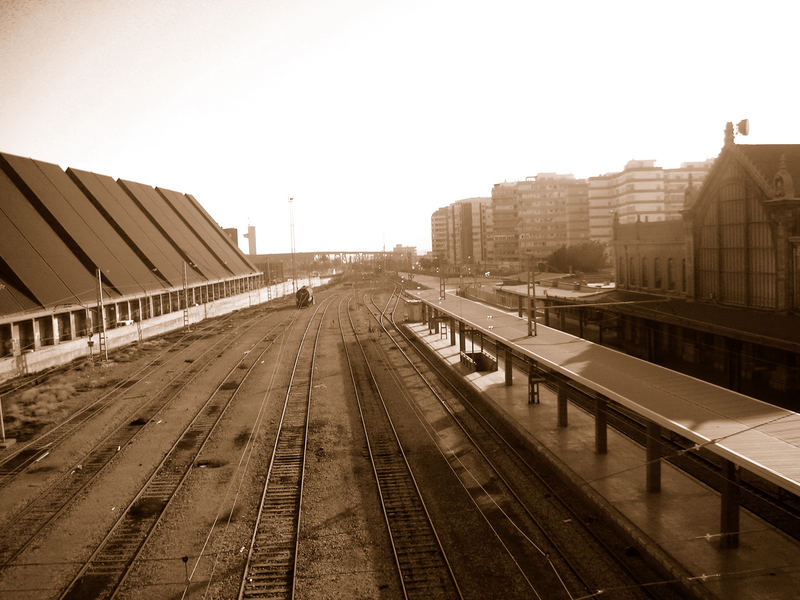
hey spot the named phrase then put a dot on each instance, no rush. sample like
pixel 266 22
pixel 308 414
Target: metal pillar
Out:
pixel 653 457
pixel 452 331
pixel 729 510
pixel 509 364
pixel 531 304
pixel 185 298
pixel 600 427
pixel 519 306
pixel 562 405
pixel 462 342
pixel 102 348
pixel 533 383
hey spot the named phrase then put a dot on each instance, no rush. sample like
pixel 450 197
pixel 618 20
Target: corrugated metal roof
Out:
pixel 39 257
pixel 247 266
pixel 126 215
pixel 109 237
pixel 181 237
pixel 13 298
pixel 59 227
pixel 186 212
pixel 81 221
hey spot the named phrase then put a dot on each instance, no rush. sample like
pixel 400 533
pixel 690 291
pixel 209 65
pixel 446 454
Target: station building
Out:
pixel 86 259
pixel 728 273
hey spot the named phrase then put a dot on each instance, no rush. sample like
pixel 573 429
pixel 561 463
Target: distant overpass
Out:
pixel 343 255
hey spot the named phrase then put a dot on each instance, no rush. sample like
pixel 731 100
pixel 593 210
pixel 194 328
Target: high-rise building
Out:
pixel 440 238
pixel 535 217
pixel 553 212
pixel 505 215
pixel 677 180
pixel 577 207
pixel 642 191
pixel 461 232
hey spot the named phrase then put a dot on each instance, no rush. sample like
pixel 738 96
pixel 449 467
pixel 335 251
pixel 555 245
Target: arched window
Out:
pixel 657 273
pixel 670 275
pixel 645 282
pixel 683 274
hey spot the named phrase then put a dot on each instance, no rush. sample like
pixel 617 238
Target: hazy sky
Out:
pixel 374 113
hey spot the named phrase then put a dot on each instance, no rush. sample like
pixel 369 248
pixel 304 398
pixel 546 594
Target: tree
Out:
pixel 426 263
pixel 588 256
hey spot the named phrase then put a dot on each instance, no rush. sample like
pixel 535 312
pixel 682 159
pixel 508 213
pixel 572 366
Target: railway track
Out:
pixel 423 568
pixel 541 562
pixel 23 528
pixel 107 567
pixel 762 498
pixel 26 455
pixel 270 567
pixel 546 505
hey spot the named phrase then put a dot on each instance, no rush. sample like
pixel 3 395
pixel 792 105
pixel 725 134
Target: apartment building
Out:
pixel 461 233
pixel 535 217
pixel 440 238
pixel 677 180
pixel 505 212
pixel 642 191
pixel 553 212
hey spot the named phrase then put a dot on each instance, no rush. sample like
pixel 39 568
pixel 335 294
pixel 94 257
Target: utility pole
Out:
pixel 531 299
pixel 291 235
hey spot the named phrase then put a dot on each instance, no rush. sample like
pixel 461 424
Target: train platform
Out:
pixel 681 522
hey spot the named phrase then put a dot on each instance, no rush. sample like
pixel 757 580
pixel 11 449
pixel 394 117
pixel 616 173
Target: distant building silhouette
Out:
pixel 251 240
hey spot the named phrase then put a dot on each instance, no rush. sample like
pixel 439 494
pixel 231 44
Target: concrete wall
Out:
pixel 47 357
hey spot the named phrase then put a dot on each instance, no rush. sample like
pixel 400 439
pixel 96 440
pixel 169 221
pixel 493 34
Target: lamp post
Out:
pixel 291 232
pixel 531 299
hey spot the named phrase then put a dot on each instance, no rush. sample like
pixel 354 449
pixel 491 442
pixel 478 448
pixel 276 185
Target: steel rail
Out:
pixel 498 518
pixel 271 565
pixel 30 453
pixel 423 568
pixel 625 563
pixel 104 571
pixel 25 525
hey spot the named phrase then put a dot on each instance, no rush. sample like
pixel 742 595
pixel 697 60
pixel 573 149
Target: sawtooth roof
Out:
pixel 58 227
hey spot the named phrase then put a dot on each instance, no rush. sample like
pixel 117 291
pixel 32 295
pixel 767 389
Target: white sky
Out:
pixel 371 113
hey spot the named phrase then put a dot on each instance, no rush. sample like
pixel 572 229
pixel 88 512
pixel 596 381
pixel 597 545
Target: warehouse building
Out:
pixel 88 262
